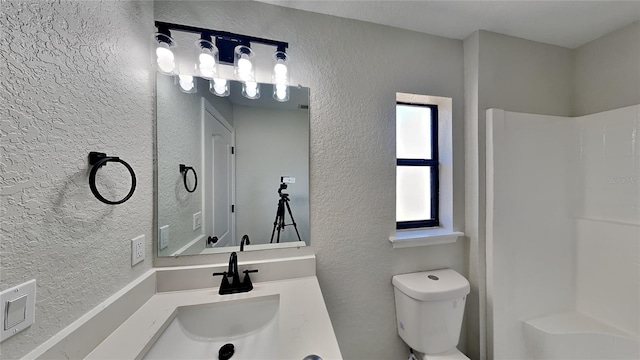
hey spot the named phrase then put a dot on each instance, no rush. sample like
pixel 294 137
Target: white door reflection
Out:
pixel 219 192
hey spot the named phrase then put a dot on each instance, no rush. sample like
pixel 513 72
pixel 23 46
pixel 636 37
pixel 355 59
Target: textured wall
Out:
pixel 353 70
pixel 75 78
pixel 606 74
pixel 271 143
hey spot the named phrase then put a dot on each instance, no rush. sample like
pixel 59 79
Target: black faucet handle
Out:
pixel 224 284
pixel 246 282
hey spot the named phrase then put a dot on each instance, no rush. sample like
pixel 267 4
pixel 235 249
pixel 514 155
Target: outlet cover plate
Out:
pixel 137 250
pixel 197 220
pixel 27 289
pixel 164 237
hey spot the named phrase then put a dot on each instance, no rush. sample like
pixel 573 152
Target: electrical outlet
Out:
pixel 197 220
pixel 164 237
pixel 137 250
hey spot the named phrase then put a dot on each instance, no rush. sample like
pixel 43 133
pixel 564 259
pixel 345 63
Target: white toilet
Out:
pixel 429 310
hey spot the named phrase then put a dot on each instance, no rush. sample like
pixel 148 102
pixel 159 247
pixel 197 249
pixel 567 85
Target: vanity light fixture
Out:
pixel 215 48
pixel 280 76
pixel 165 60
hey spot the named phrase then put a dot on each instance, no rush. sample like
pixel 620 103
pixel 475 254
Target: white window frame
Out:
pixel 443 233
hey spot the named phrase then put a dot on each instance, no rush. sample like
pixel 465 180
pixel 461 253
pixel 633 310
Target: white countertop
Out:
pixel 305 327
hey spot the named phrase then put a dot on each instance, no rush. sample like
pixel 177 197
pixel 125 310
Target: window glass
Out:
pixel 413 132
pixel 413 193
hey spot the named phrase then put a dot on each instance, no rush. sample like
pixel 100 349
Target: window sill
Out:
pixel 423 237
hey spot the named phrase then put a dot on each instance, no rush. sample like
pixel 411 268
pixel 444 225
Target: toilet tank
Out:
pixel 429 309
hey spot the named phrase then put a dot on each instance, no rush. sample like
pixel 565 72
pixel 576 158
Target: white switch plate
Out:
pixel 288 180
pixel 197 220
pixel 164 237
pixel 137 250
pixel 28 289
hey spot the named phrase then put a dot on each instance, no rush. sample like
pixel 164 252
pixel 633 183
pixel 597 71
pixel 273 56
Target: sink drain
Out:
pixel 226 351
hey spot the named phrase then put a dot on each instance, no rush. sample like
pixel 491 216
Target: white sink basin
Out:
pixel 198 331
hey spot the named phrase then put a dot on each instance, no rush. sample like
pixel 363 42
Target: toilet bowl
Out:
pixel 454 354
pixel 429 311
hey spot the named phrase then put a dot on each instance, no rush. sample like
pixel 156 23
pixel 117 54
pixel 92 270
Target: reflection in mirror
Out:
pixel 229 167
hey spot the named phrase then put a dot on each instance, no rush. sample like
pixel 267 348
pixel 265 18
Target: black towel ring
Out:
pixel 98 160
pixel 184 170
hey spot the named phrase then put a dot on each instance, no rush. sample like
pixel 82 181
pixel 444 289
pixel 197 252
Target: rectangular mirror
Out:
pixel 230 166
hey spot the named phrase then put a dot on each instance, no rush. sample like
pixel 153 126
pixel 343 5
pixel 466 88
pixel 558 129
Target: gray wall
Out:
pixel 75 78
pixel 271 143
pixel 606 72
pixel 474 254
pixel 513 74
pixel 353 83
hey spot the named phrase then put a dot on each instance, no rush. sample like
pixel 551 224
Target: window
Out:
pixel 417 165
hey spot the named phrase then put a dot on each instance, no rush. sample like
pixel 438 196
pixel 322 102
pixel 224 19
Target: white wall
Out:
pixel 606 74
pixel 75 78
pixel 271 143
pixel 354 70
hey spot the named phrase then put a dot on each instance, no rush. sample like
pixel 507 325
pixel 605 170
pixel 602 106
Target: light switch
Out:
pixel 16 312
pixel 17 309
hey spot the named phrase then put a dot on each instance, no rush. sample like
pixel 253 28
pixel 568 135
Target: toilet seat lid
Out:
pixel 433 285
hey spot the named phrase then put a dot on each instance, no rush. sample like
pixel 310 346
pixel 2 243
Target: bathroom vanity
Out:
pixel 173 313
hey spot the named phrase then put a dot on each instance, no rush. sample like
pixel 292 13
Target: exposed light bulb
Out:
pixel 220 87
pixel 165 59
pixel 186 83
pixel 206 59
pixel 207 65
pixel 280 70
pixel 281 92
pixel 244 67
pixel 251 88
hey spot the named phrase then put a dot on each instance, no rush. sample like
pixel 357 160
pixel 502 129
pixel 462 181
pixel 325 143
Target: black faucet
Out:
pixel 235 286
pixel 244 241
pixel 233 269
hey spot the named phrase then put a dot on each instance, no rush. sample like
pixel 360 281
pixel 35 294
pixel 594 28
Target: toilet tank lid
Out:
pixel 433 285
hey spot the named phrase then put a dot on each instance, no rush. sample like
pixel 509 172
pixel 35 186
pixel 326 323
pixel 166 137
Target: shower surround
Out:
pixel 563 235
